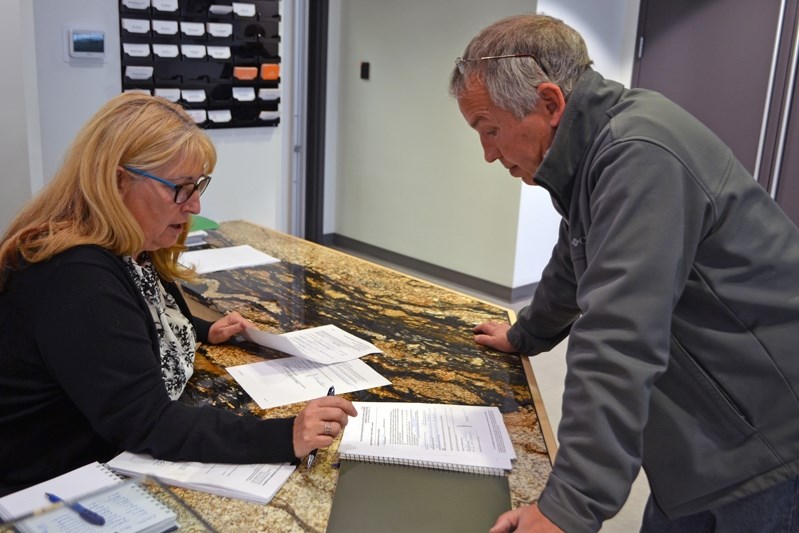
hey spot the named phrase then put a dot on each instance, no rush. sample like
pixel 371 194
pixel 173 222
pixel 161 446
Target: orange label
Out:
pixel 270 71
pixel 245 73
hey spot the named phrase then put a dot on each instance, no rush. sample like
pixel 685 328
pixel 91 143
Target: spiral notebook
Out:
pixel 420 467
pixel 463 438
pixel 125 506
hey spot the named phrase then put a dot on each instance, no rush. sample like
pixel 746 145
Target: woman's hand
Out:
pixel 227 326
pixel 494 335
pixel 320 423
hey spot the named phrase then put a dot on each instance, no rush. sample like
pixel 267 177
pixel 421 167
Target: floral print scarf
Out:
pixel 176 335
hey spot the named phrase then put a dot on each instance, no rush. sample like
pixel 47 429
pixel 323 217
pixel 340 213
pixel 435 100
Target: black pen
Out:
pixel 87 514
pixel 311 456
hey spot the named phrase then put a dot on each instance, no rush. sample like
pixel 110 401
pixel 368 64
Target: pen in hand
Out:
pixel 87 514
pixel 311 456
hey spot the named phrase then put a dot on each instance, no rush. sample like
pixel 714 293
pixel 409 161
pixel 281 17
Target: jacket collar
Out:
pixel 586 112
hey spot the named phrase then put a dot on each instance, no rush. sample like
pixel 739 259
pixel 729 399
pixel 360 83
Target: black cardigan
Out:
pixel 80 378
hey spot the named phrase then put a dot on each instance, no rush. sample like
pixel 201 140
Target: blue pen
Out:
pixel 87 514
pixel 311 456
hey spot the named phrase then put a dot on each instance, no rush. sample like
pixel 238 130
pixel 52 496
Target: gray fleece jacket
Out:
pixel 676 278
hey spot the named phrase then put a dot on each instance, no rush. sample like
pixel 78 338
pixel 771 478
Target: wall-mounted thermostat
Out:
pixel 86 44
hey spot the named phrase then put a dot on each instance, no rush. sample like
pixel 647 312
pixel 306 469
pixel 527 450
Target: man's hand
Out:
pixel 494 335
pixel 526 519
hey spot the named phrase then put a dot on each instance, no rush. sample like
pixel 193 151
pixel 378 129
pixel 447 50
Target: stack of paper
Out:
pixel 324 356
pixel 253 482
pixel 466 438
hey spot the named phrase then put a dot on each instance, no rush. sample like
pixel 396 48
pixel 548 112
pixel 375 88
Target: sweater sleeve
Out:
pixel 96 339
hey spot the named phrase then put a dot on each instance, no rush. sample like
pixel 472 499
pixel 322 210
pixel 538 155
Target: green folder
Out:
pixel 201 223
pixel 382 498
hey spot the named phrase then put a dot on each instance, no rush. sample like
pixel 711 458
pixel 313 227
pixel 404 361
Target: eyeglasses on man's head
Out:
pixel 460 62
pixel 182 192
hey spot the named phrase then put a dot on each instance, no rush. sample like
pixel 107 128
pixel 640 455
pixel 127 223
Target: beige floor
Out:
pixel 550 372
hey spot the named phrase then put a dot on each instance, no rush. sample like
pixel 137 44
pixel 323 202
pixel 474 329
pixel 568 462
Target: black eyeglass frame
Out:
pixel 199 186
pixel 460 62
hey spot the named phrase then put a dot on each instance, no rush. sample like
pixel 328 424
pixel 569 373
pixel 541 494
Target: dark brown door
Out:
pixel 713 57
pixel 729 63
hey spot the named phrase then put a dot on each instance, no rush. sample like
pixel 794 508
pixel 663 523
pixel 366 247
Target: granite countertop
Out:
pixel 428 355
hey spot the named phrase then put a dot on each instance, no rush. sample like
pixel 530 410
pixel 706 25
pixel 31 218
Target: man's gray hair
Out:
pixel 559 56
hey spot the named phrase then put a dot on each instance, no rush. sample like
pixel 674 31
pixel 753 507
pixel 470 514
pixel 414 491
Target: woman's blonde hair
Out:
pixel 83 205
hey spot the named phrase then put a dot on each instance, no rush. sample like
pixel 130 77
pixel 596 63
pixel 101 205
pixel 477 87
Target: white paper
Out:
pixel 218 9
pixel 136 4
pixel 252 482
pixel 173 95
pixel 195 29
pixel 269 115
pixel 292 379
pixel 136 25
pixel 324 344
pixel 193 95
pixel 165 5
pixel 268 94
pixel 425 434
pixel 244 94
pixel 136 50
pixel 193 51
pixel 244 10
pixel 219 52
pixel 165 27
pixel 214 259
pixel 135 72
pixel 220 115
pixel 197 115
pixel 165 50
pixel 219 29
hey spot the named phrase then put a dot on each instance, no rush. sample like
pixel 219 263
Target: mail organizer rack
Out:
pixel 219 59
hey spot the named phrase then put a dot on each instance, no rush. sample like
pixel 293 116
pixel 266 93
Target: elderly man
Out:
pixel 676 279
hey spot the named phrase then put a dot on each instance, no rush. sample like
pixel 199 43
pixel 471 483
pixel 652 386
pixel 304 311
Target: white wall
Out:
pixel 403 171
pixel 409 177
pixel 17 59
pixel 409 173
pixel 251 176
pixel 608 28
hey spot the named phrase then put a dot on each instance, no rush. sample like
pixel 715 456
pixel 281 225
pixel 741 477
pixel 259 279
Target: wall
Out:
pixel 19 90
pixel 609 29
pixel 409 173
pixel 251 178
pixel 404 172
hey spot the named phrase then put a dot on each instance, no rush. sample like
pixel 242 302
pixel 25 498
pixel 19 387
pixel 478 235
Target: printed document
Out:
pixel 253 482
pixel 453 437
pixel 214 259
pixel 293 379
pixel 324 344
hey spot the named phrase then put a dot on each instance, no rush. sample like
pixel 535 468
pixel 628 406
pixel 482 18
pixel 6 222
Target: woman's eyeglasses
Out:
pixel 461 62
pixel 182 192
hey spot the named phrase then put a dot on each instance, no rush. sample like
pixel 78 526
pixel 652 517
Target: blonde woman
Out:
pixel 96 341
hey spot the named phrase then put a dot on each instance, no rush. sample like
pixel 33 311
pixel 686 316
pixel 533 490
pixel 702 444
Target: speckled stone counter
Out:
pixel 428 355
